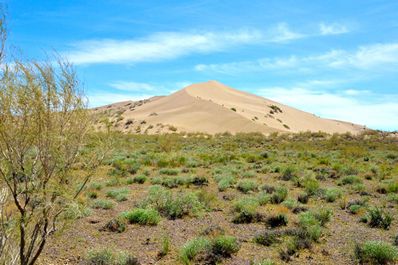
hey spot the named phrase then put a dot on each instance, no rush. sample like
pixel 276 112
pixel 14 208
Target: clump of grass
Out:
pixel 247 185
pixel 354 208
pixel 263 198
pixel 118 194
pixel 376 252
pixel 225 182
pixel 267 238
pixel 245 210
pixel 165 247
pixel 140 179
pixel 332 194
pixel 106 256
pixel 350 180
pixel 169 171
pixel 378 218
pixel 211 251
pixel 225 246
pixel 172 207
pixel 311 185
pixel 303 197
pixel 103 204
pixel 115 225
pixel 194 247
pixel 142 216
pixel 279 195
pixel 288 173
pixel 277 220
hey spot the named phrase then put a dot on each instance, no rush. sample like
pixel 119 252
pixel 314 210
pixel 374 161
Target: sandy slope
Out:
pixel 212 107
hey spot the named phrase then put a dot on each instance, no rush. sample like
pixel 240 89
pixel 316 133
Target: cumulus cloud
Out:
pixel 380 113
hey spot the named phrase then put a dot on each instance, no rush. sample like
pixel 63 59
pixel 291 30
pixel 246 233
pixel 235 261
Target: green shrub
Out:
pixel 115 225
pixel 279 195
pixel 246 185
pixel 170 206
pixel 245 210
pixel 376 252
pixel 288 173
pixel 350 180
pixel 165 249
pixel 194 247
pixel 169 171
pixel 118 195
pixel 311 225
pixel 378 218
pixel 303 197
pixel 311 185
pixel 225 183
pixel 142 216
pixel 263 198
pixel 225 246
pixel 106 256
pixel 277 220
pixel 102 204
pixel 354 208
pixel 140 179
pixel 323 216
pixel 290 204
pixel 267 238
pixel 332 194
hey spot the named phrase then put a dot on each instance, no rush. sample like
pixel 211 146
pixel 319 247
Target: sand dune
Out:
pixel 212 107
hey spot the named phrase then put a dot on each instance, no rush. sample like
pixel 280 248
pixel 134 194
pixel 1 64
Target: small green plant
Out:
pixel 107 256
pixel 376 252
pixel 379 218
pixel 245 210
pixel 140 179
pixel 267 238
pixel 303 197
pixel 142 216
pixel 165 247
pixel 288 173
pixel 225 246
pixel 354 208
pixel 277 220
pixel 279 195
pixel 225 182
pixel 118 194
pixel 311 185
pixel 103 204
pixel 332 194
pixel 194 247
pixel 169 171
pixel 115 225
pixel 350 180
pixel 246 185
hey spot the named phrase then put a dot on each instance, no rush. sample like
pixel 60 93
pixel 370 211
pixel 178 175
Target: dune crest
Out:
pixel 212 107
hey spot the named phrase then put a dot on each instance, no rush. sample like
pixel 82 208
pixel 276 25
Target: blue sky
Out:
pixel 337 59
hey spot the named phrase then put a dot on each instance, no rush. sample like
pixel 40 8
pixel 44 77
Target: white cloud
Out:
pixel 171 45
pixel 132 86
pixel 377 57
pixel 282 33
pixel 332 29
pixel 160 46
pixel 381 113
